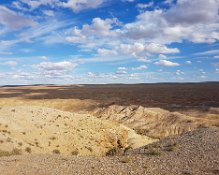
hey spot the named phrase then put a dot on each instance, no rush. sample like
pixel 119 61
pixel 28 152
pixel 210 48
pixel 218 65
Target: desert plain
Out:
pixel 165 128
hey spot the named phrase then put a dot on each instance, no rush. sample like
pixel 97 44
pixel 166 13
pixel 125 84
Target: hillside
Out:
pixel 38 130
pixel 154 122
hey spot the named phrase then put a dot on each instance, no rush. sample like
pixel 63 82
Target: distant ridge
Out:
pixel 115 84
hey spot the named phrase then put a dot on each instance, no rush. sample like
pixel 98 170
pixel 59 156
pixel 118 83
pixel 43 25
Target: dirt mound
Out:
pixel 153 122
pixel 196 152
pixel 38 130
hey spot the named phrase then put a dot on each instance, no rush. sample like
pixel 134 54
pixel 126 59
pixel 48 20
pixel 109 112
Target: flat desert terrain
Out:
pixel 110 129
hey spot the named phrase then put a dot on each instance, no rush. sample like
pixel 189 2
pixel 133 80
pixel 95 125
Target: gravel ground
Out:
pixel 193 153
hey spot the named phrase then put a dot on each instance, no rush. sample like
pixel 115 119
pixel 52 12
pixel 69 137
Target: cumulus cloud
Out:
pixel 55 69
pixel 157 48
pixel 166 63
pixel 59 66
pixel 182 21
pixel 153 31
pixel 138 50
pixel 98 29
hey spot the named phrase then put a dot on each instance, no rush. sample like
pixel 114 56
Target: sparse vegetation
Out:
pixel 126 160
pixel 89 148
pixel 75 152
pixel 127 149
pixel 56 151
pixel 153 152
pixel 170 147
pixel 8 139
pixel 28 149
pixel 114 151
pixel 186 173
pixel 37 144
pixel 52 138
pixel 20 143
pixel 15 151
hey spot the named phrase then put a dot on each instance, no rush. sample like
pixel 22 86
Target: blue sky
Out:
pixel 108 41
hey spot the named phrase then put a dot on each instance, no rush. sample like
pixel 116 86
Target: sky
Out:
pixel 108 41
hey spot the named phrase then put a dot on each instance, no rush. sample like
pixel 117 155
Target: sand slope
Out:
pixel 39 130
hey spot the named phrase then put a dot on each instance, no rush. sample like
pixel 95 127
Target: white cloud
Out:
pixel 33 4
pixel 188 62
pixel 168 1
pixel 203 76
pixel 162 57
pixel 106 52
pixel 44 57
pixel 208 52
pixel 145 5
pixel 49 13
pixel 157 48
pixel 138 50
pixel 145 60
pixel 75 5
pixel 216 57
pixel 12 20
pixel 10 63
pixel 151 32
pixel 179 72
pixel 97 33
pixel 141 67
pixel 23 75
pixel 56 69
pixel 121 72
pixel 59 66
pixel 122 68
pixel 79 5
pixel 166 63
pixel 128 0
pixel 183 21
